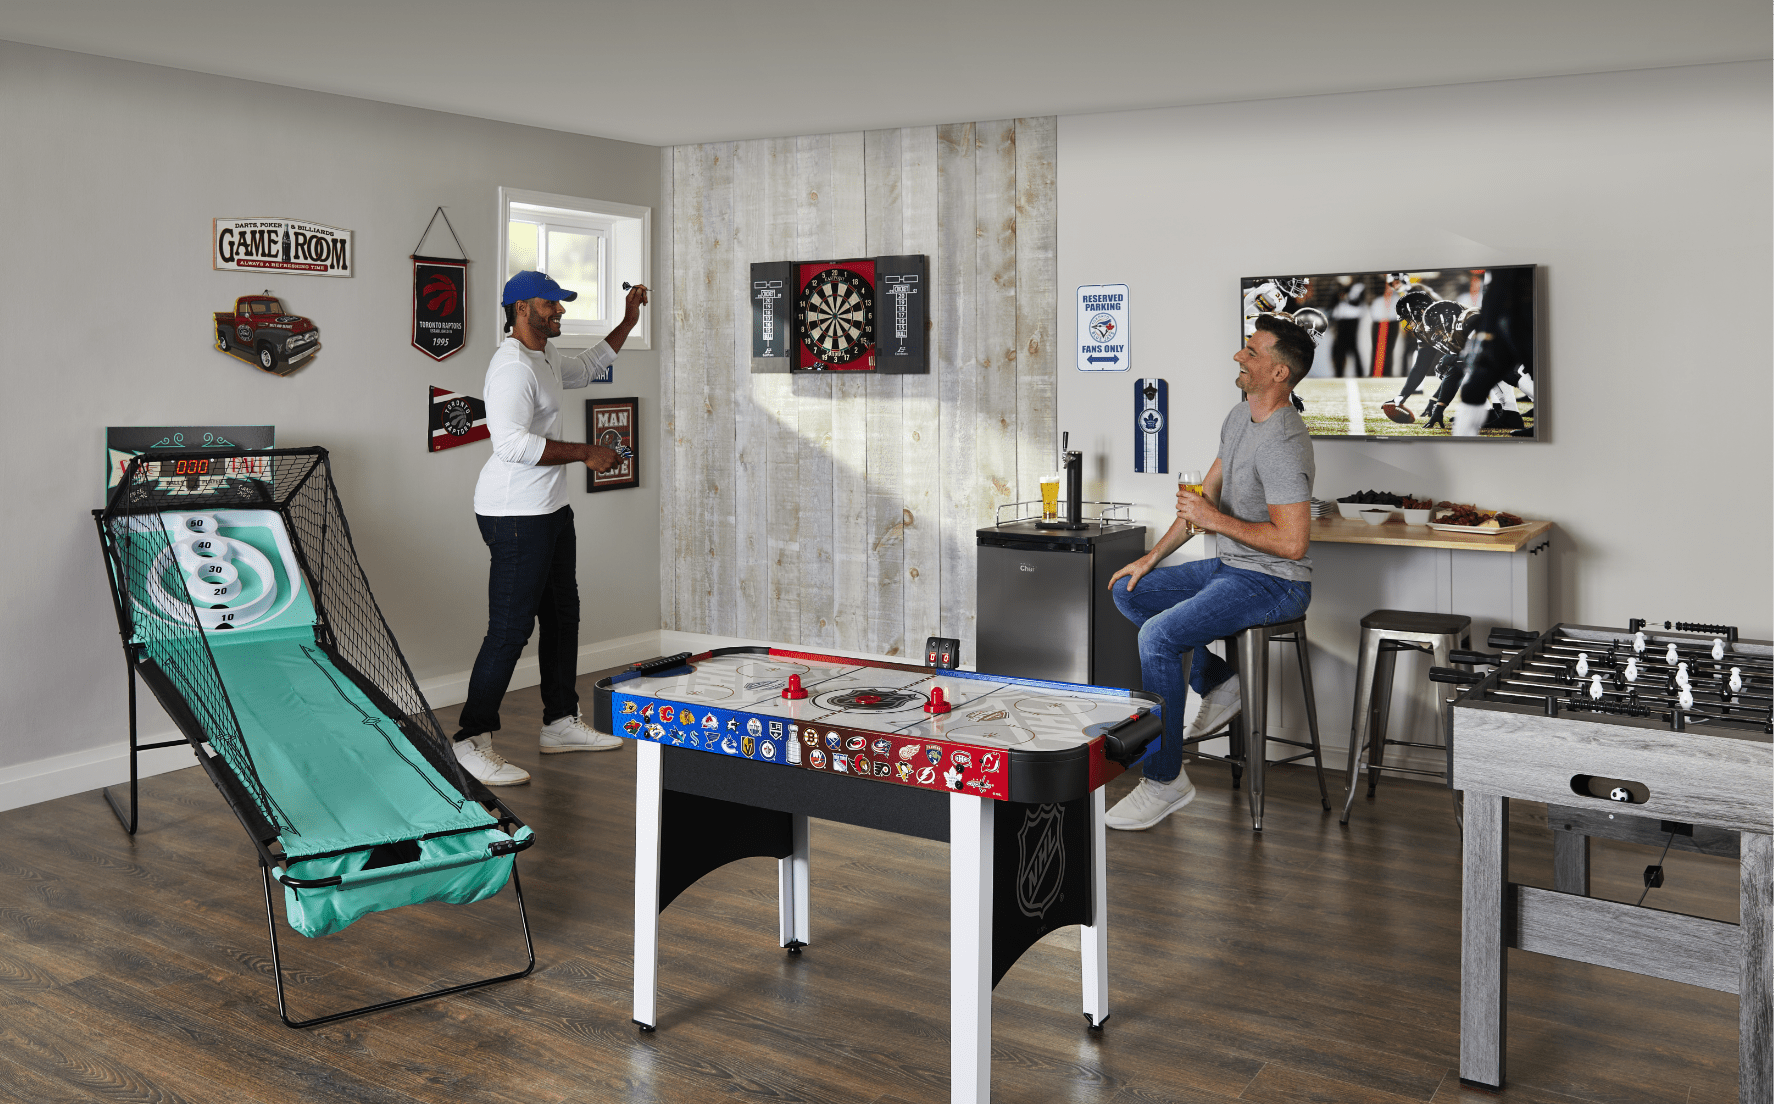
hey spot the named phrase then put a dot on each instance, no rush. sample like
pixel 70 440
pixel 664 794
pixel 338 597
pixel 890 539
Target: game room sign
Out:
pixel 281 245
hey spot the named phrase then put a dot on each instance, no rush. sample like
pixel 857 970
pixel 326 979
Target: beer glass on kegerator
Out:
pixel 1191 481
pixel 1050 497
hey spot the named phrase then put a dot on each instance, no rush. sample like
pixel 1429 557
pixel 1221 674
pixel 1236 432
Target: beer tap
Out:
pixel 1072 463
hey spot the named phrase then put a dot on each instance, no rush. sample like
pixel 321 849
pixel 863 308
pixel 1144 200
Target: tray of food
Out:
pixel 1462 517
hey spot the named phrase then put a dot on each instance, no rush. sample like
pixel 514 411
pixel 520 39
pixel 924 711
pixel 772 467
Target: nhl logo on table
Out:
pixel 1040 860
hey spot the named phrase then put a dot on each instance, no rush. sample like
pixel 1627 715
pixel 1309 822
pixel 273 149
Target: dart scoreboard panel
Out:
pixel 1671 730
pixel 866 314
pixel 1001 737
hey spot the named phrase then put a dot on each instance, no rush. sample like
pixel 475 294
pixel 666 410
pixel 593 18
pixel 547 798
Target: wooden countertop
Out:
pixel 1341 530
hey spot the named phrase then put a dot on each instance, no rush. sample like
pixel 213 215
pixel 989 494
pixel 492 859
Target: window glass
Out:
pixel 520 251
pixel 574 258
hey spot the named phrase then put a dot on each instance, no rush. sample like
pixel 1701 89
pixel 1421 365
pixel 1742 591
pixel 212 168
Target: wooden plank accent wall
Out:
pixel 839 510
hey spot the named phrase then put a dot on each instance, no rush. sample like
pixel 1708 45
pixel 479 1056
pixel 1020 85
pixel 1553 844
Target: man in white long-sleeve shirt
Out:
pixel 521 505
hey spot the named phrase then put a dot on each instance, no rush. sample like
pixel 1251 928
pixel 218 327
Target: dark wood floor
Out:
pixel 1311 963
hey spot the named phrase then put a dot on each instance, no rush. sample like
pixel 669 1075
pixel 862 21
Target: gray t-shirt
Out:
pixel 1264 464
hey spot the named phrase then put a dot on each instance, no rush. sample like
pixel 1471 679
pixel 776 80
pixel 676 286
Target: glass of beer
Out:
pixel 1050 497
pixel 1191 481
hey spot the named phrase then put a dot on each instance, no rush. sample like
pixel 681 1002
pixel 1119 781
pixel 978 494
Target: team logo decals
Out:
pixel 631 727
pixel 776 730
pixel 926 775
pixel 688 718
pixel 882 747
pixel 841 764
pixel 817 759
pixel 655 732
pixel 986 716
pixel 710 721
pixel 647 712
pixel 979 784
pixel 904 770
pixel 862 765
pixel 1040 859
pixel 856 743
pixel 934 754
pixel 833 741
pixel 794 752
pixel 729 745
pixel 883 770
pixel 628 707
pixel 961 759
pixel 665 714
pixel 909 751
pixel 766 750
pixel 990 761
pixel 732 724
pixel 747 745
pixel 755 727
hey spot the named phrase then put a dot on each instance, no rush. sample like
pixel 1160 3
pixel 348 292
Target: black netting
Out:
pixel 156 610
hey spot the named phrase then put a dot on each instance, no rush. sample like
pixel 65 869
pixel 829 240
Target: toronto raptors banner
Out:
pixel 1151 429
pixel 440 284
pixel 455 420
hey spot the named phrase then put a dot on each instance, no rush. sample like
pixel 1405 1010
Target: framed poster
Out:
pixel 614 424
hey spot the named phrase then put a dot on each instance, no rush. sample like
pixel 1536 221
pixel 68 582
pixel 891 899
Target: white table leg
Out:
pixel 971 820
pixel 1093 939
pixel 791 889
pixel 648 798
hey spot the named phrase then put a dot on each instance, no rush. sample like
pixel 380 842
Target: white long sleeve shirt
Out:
pixel 523 395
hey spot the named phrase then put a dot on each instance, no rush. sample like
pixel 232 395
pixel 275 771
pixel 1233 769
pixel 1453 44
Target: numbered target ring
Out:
pixel 836 315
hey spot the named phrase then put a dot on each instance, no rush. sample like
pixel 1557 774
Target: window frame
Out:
pixel 627 231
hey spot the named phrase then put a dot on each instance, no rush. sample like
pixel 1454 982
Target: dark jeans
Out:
pixel 1182 609
pixel 532 579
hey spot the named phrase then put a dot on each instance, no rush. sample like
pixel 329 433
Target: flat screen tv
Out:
pixel 1408 353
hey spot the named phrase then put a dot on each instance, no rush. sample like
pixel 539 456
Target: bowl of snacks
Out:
pixel 1417 511
pixel 1376 517
pixel 1351 506
pixel 1454 517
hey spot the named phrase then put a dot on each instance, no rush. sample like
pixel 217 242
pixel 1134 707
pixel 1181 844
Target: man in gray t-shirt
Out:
pixel 1258 499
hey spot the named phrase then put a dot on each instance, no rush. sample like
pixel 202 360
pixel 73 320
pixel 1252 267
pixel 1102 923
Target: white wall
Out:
pixel 1646 196
pixel 110 175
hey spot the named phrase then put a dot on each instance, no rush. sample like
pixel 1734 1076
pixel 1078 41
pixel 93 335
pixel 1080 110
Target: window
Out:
pixel 585 245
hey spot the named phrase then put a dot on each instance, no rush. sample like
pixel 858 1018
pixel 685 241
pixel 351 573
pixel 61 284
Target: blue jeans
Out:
pixel 1181 610
pixel 532 579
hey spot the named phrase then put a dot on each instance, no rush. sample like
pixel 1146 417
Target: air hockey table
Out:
pixel 739 747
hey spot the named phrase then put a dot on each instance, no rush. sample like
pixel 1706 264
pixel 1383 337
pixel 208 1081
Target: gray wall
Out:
pixel 839 509
pixel 110 175
pixel 1645 196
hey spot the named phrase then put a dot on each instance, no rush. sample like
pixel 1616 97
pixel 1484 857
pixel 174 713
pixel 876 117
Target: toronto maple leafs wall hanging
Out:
pixel 440 316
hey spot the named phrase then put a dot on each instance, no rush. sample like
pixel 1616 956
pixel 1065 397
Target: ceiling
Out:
pixel 667 72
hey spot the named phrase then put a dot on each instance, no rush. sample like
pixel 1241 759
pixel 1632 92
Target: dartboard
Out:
pixel 837 316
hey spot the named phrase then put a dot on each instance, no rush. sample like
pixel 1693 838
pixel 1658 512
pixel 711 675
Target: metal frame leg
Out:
pixel 277 964
pixel 1384 668
pixel 1253 687
pixel 792 901
pixel 130 821
pixel 1093 938
pixel 1311 712
pixel 1484 976
pixel 1358 724
pixel 971 823
pixel 649 798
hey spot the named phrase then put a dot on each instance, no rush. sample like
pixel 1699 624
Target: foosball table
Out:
pixel 738 748
pixel 1639 733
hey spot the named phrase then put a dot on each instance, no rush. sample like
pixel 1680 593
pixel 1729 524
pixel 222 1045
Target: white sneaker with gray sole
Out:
pixel 1149 803
pixel 573 734
pixel 1218 707
pixel 478 758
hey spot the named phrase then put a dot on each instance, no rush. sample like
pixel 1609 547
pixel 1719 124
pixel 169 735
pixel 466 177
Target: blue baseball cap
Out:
pixel 535 285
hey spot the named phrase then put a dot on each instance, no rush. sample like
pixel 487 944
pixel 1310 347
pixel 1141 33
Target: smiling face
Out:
pixel 1257 366
pixel 545 315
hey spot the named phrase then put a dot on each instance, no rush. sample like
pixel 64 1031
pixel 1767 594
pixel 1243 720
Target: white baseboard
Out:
pixel 80 771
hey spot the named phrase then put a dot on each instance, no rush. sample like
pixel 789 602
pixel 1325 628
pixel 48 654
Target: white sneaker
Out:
pixel 478 758
pixel 1149 803
pixel 1218 707
pixel 573 734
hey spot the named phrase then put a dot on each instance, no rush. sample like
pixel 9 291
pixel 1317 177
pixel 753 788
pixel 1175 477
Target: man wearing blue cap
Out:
pixel 521 505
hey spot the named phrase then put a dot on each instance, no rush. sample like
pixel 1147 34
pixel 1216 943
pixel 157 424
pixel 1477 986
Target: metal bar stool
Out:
pixel 1249 656
pixel 1385 633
